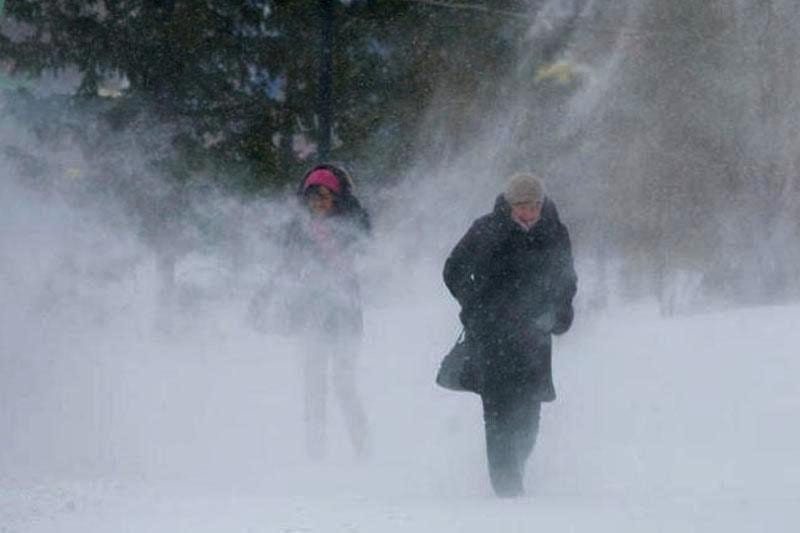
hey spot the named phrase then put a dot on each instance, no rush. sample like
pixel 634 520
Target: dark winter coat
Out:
pixel 320 258
pixel 515 288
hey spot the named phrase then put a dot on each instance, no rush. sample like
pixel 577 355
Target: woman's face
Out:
pixel 320 200
pixel 526 213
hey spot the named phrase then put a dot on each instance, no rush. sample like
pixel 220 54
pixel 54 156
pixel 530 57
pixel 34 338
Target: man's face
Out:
pixel 526 213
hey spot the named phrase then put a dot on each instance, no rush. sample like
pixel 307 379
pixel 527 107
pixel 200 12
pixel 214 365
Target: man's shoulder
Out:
pixel 488 224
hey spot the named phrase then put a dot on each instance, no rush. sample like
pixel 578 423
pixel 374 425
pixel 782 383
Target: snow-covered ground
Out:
pixel 681 424
pixel 113 419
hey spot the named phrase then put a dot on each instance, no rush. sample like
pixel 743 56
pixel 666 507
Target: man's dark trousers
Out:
pixel 511 418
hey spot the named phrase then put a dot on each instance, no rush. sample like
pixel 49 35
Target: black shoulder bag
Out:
pixel 460 370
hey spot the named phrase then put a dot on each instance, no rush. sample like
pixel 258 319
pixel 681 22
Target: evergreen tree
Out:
pixel 237 81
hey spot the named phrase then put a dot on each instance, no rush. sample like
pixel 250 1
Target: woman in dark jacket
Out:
pixel 513 275
pixel 321 243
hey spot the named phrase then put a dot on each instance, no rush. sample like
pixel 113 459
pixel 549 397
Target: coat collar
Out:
pixel 547 222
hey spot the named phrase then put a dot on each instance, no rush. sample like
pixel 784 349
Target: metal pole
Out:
pixel 325 110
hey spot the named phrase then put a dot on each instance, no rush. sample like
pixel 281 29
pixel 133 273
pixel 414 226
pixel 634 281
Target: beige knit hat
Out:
pixel 523 188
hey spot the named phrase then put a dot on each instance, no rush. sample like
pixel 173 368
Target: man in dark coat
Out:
pixel 513 275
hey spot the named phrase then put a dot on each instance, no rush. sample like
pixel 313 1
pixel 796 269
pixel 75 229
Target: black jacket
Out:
pixel 515 288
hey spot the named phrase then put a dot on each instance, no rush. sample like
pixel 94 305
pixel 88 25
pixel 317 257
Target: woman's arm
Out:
pixel 461 270
pixel 566 283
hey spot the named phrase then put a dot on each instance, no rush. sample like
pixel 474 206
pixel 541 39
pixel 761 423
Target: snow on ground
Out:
pixel 681 424
pixel 113 419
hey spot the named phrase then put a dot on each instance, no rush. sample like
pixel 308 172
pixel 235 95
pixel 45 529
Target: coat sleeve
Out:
pixel 357 214
pixel 461 268
pixel 361 229
pixel 567 283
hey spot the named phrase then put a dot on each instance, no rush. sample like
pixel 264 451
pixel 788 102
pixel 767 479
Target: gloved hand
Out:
pixel 563 320
pixel 545 322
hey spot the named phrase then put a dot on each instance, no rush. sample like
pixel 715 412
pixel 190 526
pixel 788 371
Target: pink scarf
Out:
pixel 322 233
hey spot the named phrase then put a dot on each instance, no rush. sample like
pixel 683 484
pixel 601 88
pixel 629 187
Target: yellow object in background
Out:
pixel 561 72
pixel 73 172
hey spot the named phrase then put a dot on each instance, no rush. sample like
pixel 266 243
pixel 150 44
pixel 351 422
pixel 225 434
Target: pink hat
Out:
pixel 323 176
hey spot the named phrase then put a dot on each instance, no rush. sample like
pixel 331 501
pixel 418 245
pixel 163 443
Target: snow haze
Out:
pixel 133 400
pixel 116 418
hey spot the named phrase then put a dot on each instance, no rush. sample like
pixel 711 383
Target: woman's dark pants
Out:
pixel 511 418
